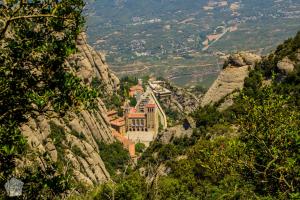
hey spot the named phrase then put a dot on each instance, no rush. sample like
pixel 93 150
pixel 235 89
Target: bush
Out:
pixel 114 156
pixel 140 147
pixel 207 116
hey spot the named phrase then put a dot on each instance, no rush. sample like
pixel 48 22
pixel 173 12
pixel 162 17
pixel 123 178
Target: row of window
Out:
pixel 138 129
pixel 138 122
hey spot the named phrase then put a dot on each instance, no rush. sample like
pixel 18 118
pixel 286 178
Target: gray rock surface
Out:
pixel 92 64
pixel 231 78
pixel 286 66
pixel 174 132
pixel 181 100
pixel 243 58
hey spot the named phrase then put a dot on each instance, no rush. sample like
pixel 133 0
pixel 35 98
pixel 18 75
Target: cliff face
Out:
pixel 181 99
pixel 231 78
pixel 72 140
pixel 93 65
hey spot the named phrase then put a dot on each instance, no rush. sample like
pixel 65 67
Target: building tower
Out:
pixel 152 118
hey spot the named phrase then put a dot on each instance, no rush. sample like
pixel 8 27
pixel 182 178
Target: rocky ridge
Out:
pixel 182 99
pixel 78 148
pixel 93 65
pixel 231 78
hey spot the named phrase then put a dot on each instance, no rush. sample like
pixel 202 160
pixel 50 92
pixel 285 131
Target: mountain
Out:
pixel 185 40
pixel 247 150
pixel 237 140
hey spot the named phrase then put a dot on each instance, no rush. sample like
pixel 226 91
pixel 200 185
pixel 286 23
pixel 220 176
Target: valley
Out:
pixel 73 127
pixel 186 40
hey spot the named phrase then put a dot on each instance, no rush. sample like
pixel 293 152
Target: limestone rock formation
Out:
pixel 181 99
pixel 72 139
pixel 174 132
pixel 286 66
pixel 242 59
pixel 92 64
pixel 231 78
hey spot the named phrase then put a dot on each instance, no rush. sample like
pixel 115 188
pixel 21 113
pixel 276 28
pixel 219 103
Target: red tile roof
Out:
pixel 137 88
pixel 118 122
pixel 112 112
pixel 150 105
pixel 132 110
pixel 136 115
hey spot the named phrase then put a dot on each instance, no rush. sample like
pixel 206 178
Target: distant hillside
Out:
pixel 185 41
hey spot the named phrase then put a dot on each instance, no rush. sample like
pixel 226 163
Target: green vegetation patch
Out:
pixel 114 156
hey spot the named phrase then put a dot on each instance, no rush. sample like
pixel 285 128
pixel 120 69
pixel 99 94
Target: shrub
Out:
pixel 140 147
pixel 114 156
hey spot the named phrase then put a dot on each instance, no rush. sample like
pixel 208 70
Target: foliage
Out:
pixel 36 37
pixel 168 152
pixel 140 147
pixel 77 151
pixel 199 89
pixel 172 115
pixel 270 130
pixel 132 101
pixel 57 133
pixel 114 156
pixel 128 188
pixel 288 48
pixel 261 163
pixel 12 143
pixel 52 183
pixel 125 84
pixel 207 116
pixel 78 135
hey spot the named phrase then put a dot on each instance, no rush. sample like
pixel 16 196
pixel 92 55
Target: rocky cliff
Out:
pixel 236 69
pixel 181 99
pixel 92 64
pixel 72 140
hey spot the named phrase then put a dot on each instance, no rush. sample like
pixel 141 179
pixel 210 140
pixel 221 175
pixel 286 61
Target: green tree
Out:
pixel 36 37
pixel 133 101
pixel 270 130
pixel 114 156
pixel 140 147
